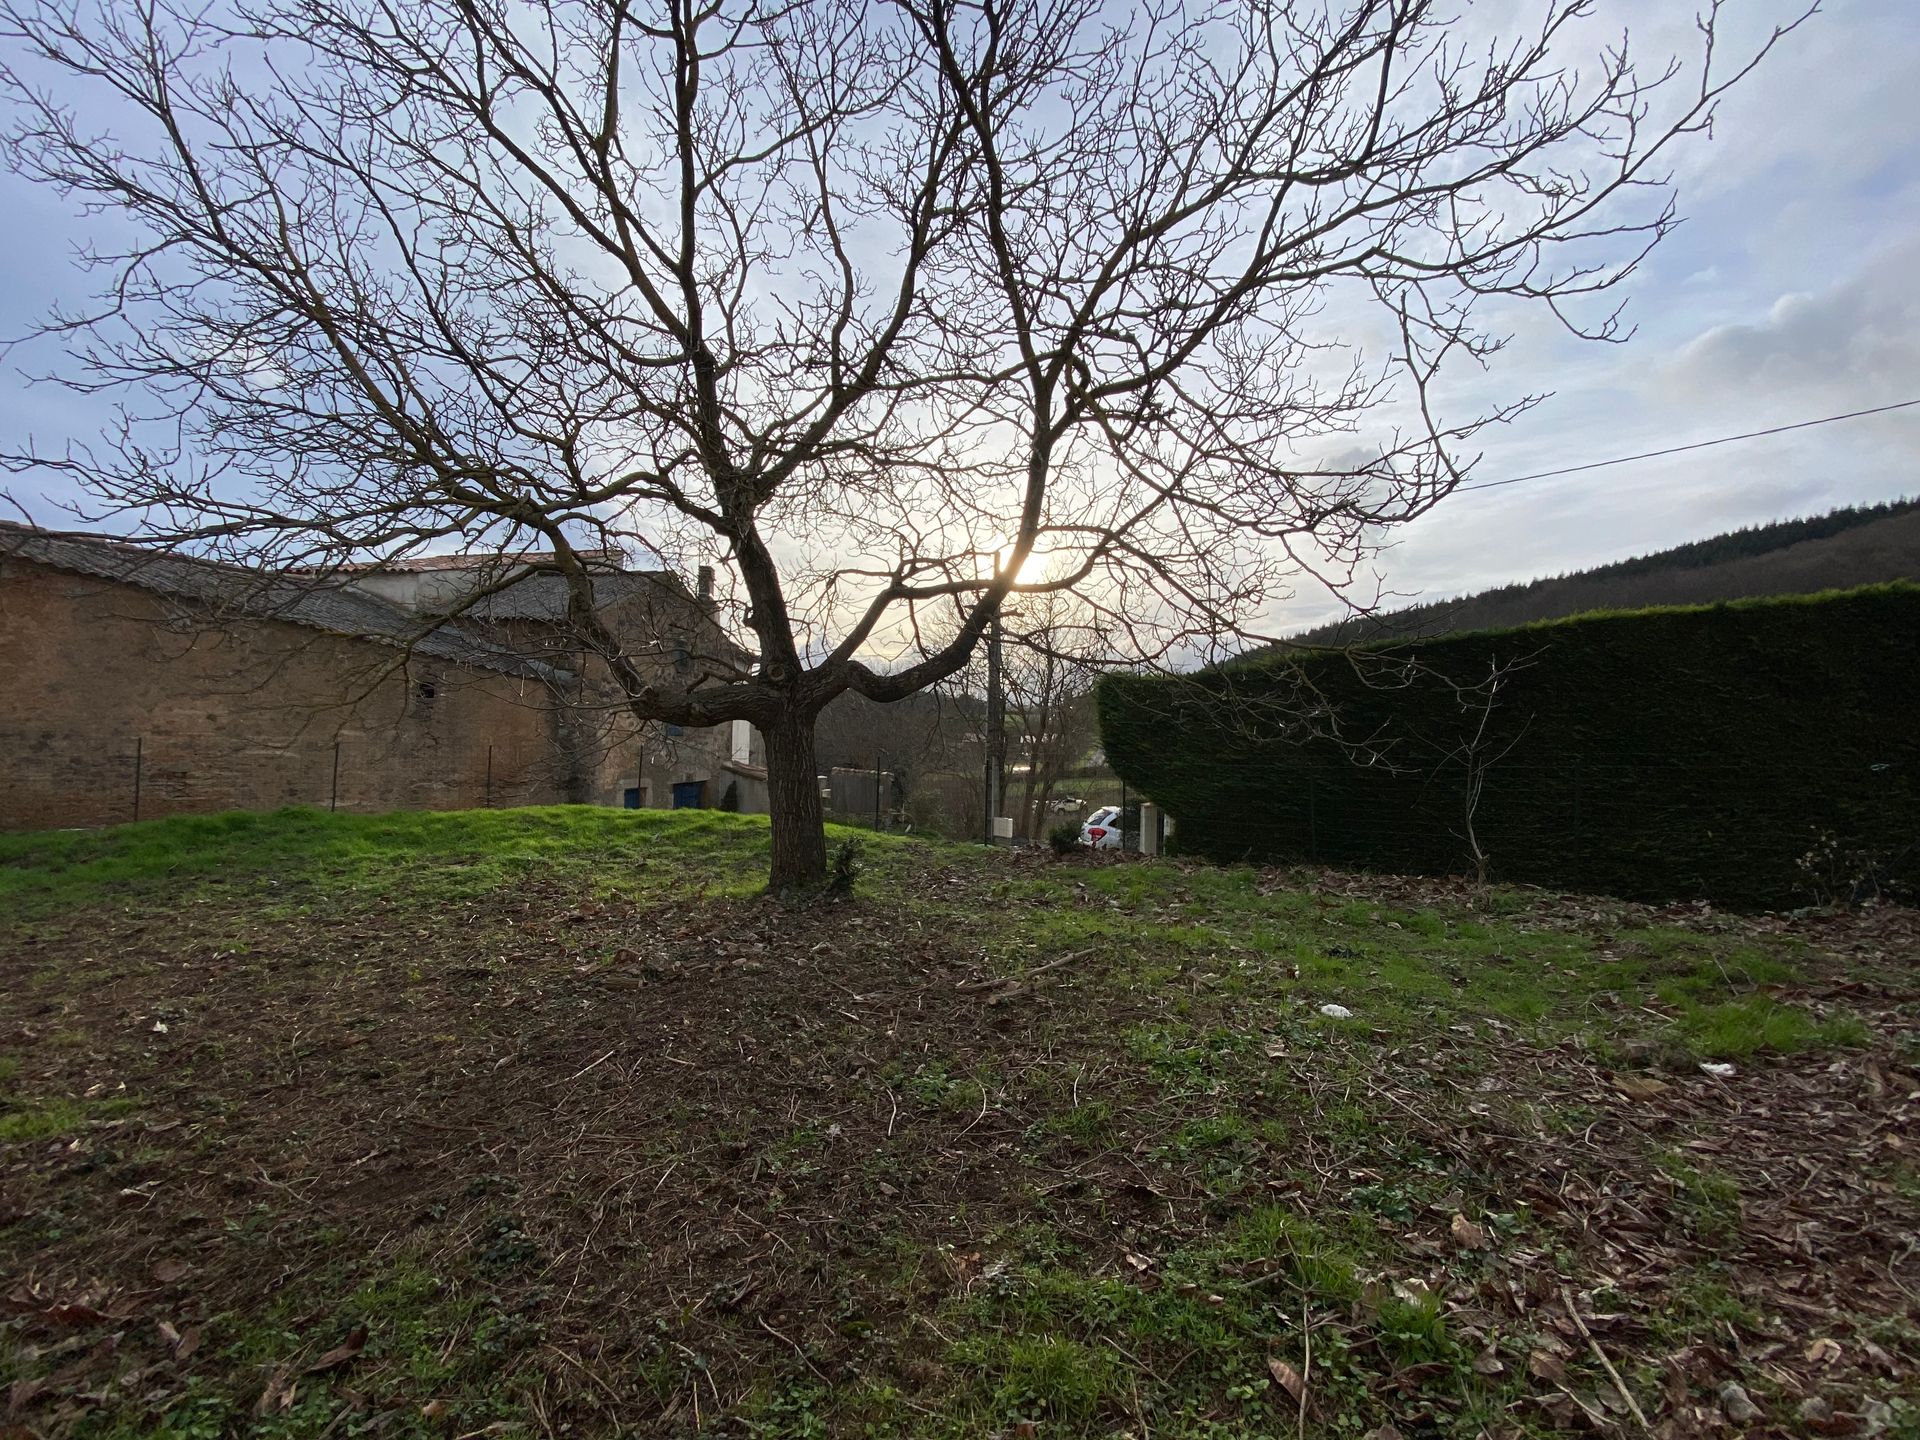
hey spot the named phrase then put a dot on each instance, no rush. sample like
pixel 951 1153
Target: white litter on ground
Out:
pixel 1336 1012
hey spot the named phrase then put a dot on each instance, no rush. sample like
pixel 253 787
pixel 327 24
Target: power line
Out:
pixel 1696 445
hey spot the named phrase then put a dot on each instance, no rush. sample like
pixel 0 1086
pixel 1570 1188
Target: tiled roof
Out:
pixel 544 597
pixel 317 605
pixel 465 561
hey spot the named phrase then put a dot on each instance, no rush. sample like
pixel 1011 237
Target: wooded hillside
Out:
pixel 1859 545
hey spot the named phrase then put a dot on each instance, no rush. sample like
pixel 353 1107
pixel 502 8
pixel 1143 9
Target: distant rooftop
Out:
pixel 336 609
pixel 478 560
pixel 545 597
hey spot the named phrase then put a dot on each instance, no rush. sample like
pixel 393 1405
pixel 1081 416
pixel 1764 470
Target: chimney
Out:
pixel 705 591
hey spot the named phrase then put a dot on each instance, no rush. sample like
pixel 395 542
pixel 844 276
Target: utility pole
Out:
pixel 996 731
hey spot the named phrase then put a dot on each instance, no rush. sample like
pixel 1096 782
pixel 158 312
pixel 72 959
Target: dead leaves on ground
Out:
pixel 736 1013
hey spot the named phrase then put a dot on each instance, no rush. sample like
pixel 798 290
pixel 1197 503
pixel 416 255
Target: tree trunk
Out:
pixel 1036 738
pixel 793 806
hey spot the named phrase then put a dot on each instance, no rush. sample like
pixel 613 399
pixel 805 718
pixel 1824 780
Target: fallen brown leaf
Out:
pixel 24 1392
pixel 1289 1378
pixel 1467 1235
pixel 277 1395
pixel 1823 1351
pixel 76 1313
pixel 355 1342
pixel 1639 1087
pixel 1543 1366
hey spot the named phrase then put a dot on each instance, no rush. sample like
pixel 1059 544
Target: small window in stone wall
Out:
pixel 423 694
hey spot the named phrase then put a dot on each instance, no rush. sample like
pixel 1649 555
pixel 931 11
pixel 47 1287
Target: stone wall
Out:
pixel 616 754
pixel 108 687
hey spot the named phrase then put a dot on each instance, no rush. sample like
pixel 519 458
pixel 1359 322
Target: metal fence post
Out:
pixel 993 735
pixel 333 794
pixel 139 745
pixel 489 775
pixel 1149 828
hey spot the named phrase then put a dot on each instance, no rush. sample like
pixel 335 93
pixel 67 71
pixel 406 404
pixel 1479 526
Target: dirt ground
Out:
pixel 565 1160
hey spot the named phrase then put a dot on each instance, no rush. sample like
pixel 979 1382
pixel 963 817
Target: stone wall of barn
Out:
pixel 114 698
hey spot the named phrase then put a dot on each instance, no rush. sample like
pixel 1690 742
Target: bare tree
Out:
pixel 871 302
pixel 1052 662
pixel 1481 747
pixel 908 740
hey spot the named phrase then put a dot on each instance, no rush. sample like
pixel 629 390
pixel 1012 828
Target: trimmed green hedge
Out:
pixel 1758 753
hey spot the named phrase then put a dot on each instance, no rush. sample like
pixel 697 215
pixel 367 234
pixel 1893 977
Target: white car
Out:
pixel 1101 830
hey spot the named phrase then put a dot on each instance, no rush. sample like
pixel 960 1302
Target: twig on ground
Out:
pixel 999 982
pixel 792 1345
pixel 1306 1365
pixel 985 1097
pixel 1573 1313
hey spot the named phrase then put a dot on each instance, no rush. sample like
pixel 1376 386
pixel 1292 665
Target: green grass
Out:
pixel 22 1120
pixel 1211 1076
pixel 1402 971
pixel 1750 1024
pixel 422 856
pixel 431 1339
pixel 1038 1377
pixel 1052 1346
pixel 25 1118
pixel 1708 1200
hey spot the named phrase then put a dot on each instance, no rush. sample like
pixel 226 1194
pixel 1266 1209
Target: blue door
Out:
pixel 630 797
pixel 690 795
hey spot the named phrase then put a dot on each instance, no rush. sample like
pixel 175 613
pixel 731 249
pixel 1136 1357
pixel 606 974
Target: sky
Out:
pixel 1791 291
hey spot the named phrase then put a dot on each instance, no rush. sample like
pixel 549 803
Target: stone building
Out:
pixel 522 607
pixel 140 683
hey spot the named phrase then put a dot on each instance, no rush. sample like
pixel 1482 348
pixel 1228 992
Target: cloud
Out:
pixel 1849 345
